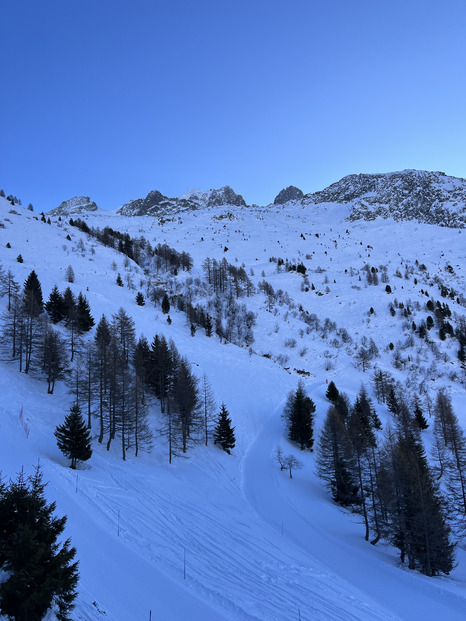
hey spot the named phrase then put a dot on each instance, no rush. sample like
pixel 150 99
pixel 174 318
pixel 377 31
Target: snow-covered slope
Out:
pixel 219 536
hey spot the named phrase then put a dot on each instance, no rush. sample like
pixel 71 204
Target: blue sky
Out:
pixel 114 98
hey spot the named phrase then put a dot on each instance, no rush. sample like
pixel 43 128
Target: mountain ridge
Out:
pixel 431 197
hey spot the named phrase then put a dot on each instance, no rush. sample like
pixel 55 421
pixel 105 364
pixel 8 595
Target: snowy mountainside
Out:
pixel 257 544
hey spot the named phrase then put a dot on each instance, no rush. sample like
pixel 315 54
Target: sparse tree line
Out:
pixel 225 278
pixel 27 334
pixel 117 377
pixel 113 376
pixel 159 258
pixel 401 498
pixel 221 315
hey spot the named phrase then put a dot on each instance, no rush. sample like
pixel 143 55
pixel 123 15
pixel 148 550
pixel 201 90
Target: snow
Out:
pixel 257 545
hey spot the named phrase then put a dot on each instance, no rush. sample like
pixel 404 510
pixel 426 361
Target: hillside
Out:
pixel 219 536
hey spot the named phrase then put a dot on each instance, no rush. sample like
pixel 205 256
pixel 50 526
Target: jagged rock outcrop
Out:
pixel 152 205
pixel 291 193
pixel 156 204
pixel 73 206
pixel 430 197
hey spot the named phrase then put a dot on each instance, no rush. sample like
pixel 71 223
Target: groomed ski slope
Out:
pixel 212 537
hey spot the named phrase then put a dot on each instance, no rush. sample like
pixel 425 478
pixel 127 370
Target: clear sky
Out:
pixel 114 98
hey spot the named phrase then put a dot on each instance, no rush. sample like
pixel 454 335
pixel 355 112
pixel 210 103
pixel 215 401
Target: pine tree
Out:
pixel 186 402
pixel 361 424
pixel 298 413
pixel 69 304
pixel 332 393
pixel 69 274
pixel 335 460
pixel 73 438
pixel 416 514
pixel 140 301
pixel 84 319
pixel 224 433
pixel 38 571
pixel 53 359
pixel 208 407
pixel 32 292
pixel 55 306
pixel 419 417
pixel 165 305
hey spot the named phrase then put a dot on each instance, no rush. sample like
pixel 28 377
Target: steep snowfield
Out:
pixel 214 536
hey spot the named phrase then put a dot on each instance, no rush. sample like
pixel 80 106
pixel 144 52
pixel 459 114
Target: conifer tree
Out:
pixel 84 319
pixel 73 437
pixel 419 417
pixel 416 516
pixel 186 402
pixel 38 571
pixel 69 304
pixel 165 305
pixel 335 460
pixel 361 424
pixel 53 360
pixel 32 292
pixel 298 413
pixel 102 340
pixel 332 393
pixel 224 433
pixel 55 306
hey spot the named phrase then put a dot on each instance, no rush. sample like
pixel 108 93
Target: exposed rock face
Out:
pixel 156 204
pixel 73 206
pixel 225 196
pixel 291 193
pixel 430 197
pixel 151 205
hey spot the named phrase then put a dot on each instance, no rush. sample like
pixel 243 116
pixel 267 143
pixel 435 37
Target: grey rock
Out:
pixel 291 193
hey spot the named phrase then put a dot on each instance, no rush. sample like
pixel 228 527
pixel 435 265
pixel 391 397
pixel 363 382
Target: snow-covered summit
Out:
pixel 74 206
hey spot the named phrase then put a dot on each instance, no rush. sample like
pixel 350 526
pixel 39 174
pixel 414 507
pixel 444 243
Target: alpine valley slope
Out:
pixel 257 545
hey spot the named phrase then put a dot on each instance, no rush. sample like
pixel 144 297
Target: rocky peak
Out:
pixel 73 206
pixel 156 204
pixel 430 197
pixel 291 193
pixel 224 196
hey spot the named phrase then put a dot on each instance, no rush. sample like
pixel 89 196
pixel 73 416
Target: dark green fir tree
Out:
pixel 299 415
pixel 85 320
pixel 55 306
pixel 38 571
pixel 73 438
pixel 165 305
pixel 224 433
